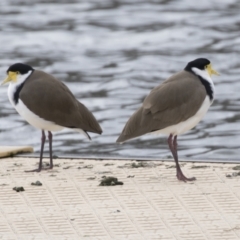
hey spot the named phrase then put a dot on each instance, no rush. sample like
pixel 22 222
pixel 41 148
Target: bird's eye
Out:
pixel 17 72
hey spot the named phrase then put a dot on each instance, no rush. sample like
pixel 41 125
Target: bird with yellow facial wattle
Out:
pixel 174 107
pixel 47 104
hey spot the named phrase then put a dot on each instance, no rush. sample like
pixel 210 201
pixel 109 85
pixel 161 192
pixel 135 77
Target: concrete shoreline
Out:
pixel 28 152
pixel 151 203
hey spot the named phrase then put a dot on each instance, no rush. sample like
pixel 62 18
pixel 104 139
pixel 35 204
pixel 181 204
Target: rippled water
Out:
pixel 111 54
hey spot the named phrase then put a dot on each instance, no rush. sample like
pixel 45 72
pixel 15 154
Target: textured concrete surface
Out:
pixel 6 151
pixel 151 204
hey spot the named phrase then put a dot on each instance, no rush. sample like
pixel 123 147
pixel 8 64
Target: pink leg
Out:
pixel 172 143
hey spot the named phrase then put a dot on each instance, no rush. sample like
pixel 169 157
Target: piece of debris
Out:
pixel 17 164
pixel 158 164
pixel 140 164
pixel 121 166
pixel 104 172
pixel 91 178
pixel 235 174
pixel 130 176
pixel 47 164
pixel 109 181
pixel 4 184
pixel 197 167
pixel 108 164
pixel 19 189
pixel 88 166
pixel 67 167
pixel 116 211
pixel 170 166
pixel 37 183
pixel 232 229
pixel 174 166
pixel 236 167
pixel 52 175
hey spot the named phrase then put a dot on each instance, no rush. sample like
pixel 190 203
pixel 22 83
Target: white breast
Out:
pixel 190 123
pixel 35 120
pixel 29 116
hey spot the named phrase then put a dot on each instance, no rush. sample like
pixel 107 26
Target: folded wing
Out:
pixel 53 101
pixel 172 102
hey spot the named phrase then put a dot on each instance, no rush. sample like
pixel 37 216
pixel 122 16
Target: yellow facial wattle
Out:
pixel 210 70
pixel 12 76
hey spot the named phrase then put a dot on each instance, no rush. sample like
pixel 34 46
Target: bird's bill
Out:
pixel 12 76
pixel 211 71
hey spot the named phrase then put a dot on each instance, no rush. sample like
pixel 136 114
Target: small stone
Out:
pixel 109 181
pixel 37 183
pixel 130 176
pixel 18 189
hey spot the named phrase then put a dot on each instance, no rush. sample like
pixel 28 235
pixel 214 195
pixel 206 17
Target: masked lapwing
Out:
pixel 47 104
pixel 174 107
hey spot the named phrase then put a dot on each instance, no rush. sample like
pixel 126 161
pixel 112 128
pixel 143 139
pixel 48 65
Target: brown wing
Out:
pixel 174 101
pixel 51 100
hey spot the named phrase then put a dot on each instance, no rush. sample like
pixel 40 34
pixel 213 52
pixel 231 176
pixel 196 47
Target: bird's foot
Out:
pixel 50 167
pixel 39 169
pixel 181 177
pixel 34 170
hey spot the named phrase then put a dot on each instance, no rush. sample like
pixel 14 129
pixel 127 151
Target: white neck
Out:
pixel 15 84
pixel 205 75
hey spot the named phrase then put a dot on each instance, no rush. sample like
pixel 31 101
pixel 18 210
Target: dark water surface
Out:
pixel 111 54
